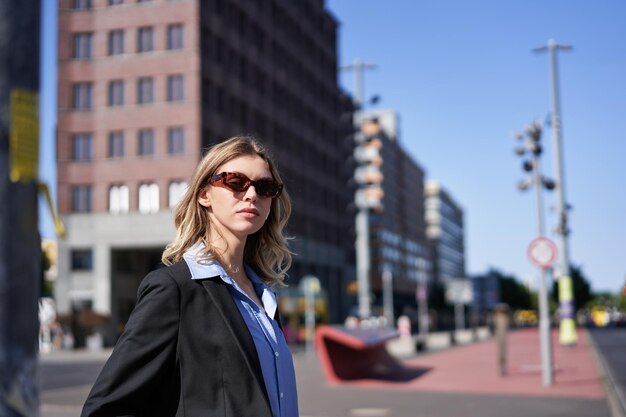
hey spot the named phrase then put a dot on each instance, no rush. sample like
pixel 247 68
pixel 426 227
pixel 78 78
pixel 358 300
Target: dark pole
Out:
pixel 20 249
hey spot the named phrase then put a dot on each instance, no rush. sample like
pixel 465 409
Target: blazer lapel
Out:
pixel 225 304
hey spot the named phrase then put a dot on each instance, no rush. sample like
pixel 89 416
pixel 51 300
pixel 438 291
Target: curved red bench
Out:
pixel 350 354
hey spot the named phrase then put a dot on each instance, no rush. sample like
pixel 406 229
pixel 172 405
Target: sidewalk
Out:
pixel 465 381
pixel 462 381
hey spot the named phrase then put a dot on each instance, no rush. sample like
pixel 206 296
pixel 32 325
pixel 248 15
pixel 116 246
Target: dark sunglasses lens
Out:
pixel 236 181
pixel 267 188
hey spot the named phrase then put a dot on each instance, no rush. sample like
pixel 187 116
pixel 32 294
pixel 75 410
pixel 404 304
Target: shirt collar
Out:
pixel 207 268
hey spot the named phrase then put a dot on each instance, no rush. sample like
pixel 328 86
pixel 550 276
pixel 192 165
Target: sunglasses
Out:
pixel 235 181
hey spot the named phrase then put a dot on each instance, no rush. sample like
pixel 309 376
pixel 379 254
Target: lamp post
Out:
pixel 20 243
pixel 362 243
pixel 567 332
pixel 532 145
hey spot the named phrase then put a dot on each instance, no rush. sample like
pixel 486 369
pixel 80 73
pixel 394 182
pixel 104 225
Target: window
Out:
pixel 83 45
pixel 81 198
pixel 82 259
pixel 116 144
pixel 82 4
pixel 115 2
pixel 176 140
pixel 175 88
pixel 82 94
pixel 82 147
pixel 116 42
pixel 145 90
pixel 148 198
pixel 146 142
pixel 116 93
pixel 145 39
pixel 176 192
pixel 118 199
pixel 175 38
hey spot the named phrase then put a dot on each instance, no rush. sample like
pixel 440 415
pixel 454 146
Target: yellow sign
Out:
pixel 59 228
pixel 24 136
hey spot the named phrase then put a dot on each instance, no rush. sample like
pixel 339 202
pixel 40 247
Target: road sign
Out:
pixel 542 252
pixel 459 291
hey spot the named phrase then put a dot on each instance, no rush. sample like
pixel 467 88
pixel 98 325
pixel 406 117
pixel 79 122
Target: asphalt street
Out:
pixel 461 382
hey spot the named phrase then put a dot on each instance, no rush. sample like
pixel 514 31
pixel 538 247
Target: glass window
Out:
pixel 83 45
pixel 148 198
pixel 175 38
pixel 175 88
pixel 116 93
pixel 82 4
pixel 82 259
pixel 115 2
pixel 145 90
pixel 82 149
pixel 116 42
pixel 176 140
pixel 81 198
pixel 146 142
pixel 176 192
pixel 116 144
pixel 145 39
pixel 118 199
pixel 82 96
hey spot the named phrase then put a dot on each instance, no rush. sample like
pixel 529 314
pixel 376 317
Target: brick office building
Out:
pixel 145 86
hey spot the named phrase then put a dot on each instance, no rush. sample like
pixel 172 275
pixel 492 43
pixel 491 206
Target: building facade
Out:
pixel 144 86
pixel 398 232
pixel 444 230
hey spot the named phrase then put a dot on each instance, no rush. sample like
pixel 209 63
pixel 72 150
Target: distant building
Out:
pixel 144 87
pixel 486 288
pixel 398 232
pixel 444 230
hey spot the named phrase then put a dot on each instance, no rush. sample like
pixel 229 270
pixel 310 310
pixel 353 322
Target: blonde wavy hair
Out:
pixel 266 251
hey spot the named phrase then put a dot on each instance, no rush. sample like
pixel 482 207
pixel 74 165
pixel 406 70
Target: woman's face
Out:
pixel 238 213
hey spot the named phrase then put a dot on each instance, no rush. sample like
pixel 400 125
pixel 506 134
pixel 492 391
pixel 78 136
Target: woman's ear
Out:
pixel 204 198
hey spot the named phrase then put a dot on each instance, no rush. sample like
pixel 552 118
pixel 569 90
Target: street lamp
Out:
pixel 531 148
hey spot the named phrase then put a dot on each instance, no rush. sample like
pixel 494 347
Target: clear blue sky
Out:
pixel 463 78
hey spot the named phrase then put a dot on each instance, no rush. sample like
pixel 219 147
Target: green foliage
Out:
pixel 513 293
pixel 621 304
pixel 47 287
pixel 582 290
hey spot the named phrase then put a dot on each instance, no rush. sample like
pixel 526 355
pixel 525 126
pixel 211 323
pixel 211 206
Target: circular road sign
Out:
pixel 542 252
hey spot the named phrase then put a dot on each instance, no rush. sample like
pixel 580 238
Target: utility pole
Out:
pixel 20 245
pixel 533 146
pixel 362 244
pixel 567 330
pixel 358 68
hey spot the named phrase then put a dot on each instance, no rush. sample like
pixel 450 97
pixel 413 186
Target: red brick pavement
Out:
pixel 474 369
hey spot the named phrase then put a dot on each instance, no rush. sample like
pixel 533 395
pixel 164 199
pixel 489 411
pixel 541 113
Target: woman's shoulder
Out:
pixel 176 273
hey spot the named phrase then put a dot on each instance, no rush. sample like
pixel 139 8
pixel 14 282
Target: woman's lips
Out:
pixel 249 212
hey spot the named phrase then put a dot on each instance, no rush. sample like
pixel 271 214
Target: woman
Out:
pixel 204 338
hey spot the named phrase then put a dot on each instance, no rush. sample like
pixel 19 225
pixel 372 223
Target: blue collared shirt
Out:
pixel 274 355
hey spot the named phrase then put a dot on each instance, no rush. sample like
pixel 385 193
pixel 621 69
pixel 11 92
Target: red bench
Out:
pixel 350 354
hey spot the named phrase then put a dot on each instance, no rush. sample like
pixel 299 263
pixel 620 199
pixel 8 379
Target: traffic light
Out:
pixel 368 174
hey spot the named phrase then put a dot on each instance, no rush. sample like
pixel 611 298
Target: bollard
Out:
pixel 501 323
pixel 404 326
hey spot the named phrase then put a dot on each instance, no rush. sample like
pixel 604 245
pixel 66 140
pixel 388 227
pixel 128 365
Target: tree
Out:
pixel 581 287
pixel 513 293
pixel 47 289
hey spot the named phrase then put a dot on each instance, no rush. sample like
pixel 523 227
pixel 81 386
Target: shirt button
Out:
pixel 281 395
pixel 276 354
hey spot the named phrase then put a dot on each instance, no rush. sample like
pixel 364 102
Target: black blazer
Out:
pixel 185 351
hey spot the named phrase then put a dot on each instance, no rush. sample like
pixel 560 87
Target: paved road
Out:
pixel 461 382
pixel 610 344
